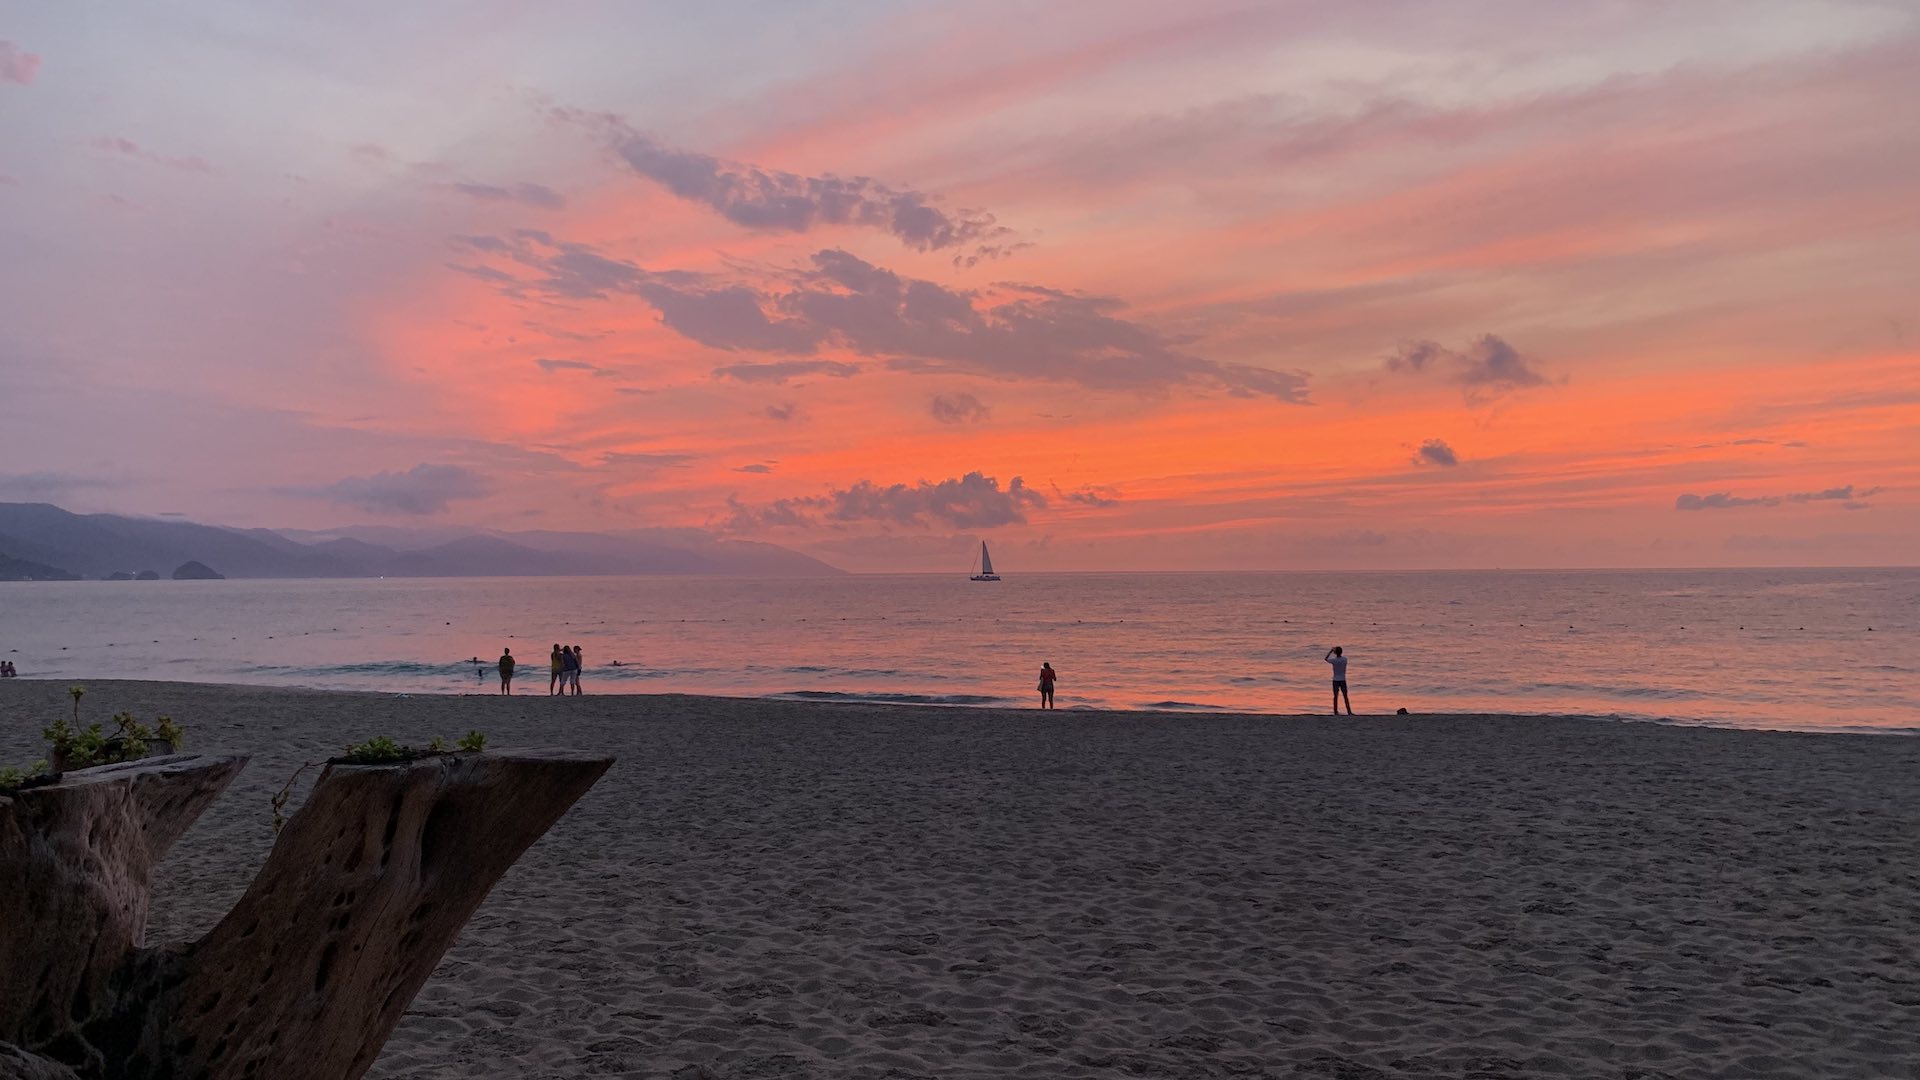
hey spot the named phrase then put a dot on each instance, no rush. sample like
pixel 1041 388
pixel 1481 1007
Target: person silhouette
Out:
pixel 1339 661
pixel 1047 676
pixel 555 685
pixel 506 671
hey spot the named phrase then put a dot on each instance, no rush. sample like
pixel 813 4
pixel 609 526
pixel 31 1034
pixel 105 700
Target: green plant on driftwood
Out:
pixel 384 749
pixel 71 746
pixel 378 750
pixel 13 778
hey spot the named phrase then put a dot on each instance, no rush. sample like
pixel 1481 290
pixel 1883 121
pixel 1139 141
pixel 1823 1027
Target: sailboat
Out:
pixel 986 566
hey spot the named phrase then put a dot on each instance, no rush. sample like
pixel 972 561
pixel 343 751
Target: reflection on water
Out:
pixel 1818 649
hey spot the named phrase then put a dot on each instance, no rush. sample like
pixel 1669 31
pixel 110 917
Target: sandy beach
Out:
pixel 763 888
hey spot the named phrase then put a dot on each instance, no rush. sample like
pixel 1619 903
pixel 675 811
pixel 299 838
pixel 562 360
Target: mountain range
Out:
pixel 42 537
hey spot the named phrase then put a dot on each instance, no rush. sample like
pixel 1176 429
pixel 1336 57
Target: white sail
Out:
pixel 986 566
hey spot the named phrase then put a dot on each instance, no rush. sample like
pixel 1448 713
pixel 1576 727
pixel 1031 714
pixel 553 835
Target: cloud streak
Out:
pixel 780 372
pixel 647 459
pixel 551 366
pixel 1097 497
pixel 1010 330
pixel 1722 500
pixel 526 194
pixel 771 200
pixel 420 491
pixel 50 484
pixel 973 501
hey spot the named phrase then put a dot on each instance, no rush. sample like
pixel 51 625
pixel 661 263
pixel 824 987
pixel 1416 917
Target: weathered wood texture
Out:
pixel 17 1064
pixel 364 891
pixel 76 866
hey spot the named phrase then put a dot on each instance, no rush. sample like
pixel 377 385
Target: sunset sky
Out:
pixel 1110 284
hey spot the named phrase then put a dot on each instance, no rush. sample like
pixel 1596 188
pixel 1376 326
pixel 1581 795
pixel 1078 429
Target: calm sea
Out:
pixel 1808 649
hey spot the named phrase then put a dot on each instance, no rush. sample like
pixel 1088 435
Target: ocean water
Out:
pixel 1799 649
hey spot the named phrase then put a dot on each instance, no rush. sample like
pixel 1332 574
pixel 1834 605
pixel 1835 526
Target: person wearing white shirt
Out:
pixel 1339 663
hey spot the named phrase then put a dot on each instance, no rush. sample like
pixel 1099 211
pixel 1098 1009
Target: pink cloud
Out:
pixel 16 64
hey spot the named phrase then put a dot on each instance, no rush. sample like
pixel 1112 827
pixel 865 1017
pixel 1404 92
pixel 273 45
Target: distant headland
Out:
pixel 42 542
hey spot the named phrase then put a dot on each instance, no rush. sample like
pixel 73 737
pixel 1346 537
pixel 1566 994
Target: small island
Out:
pixel 192 570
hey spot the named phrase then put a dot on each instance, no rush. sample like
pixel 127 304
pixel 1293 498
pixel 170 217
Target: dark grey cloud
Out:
pixel 1750 441
pixel 421 490
pixel 16 64
pixel 1014 331
pixel 566 335
pixel 1358 538
pixel 1010 331
pixel 551 366
pixel 536 195
pixel 483 273
pixel 958 409
pixel 757 467
pixel 774 201
pixel 1847 495
pixel 779 372
pixel 783 412
pixel 649 460
pixel 1486 368
pixel 47 484
pixel 728 317
pixel 1721 500
pixel 973 501
pixel 1090 496
pixel 483 243
pixel 1435 452
pixel 566 270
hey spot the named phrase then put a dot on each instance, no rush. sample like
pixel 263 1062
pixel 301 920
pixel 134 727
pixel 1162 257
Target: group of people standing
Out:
pixel 564 665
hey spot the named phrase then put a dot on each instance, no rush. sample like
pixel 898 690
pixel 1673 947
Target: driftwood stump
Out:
pixel 306 977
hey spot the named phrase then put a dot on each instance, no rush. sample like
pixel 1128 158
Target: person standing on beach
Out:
pixel 557 665
pixel 506 671
pixel 573 671
pixel 1339 662
pixel 1046 685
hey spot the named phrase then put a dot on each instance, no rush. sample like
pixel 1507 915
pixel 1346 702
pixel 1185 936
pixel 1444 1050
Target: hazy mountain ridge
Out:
pixel 95 545
pixel 12 569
